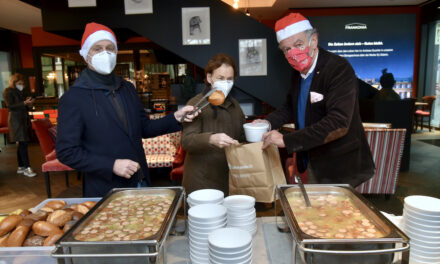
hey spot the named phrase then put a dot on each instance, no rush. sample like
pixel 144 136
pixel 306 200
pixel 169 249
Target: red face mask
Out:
pixel 299 59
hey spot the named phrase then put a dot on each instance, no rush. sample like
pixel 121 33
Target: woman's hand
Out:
pixel 186 112
pixel 221 140
pixel 29 101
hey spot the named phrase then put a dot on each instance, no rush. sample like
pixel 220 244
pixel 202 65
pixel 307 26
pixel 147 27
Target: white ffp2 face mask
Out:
pixel 104 62
pixel 19 87
pixel 225 86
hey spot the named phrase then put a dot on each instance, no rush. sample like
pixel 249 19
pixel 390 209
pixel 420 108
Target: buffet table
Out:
pixel 269 246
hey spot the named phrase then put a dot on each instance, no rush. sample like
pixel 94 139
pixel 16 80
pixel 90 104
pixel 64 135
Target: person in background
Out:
pixel 329 139
pixel 19 121
pixel 101 121
pixel 215 128
pixel 387 92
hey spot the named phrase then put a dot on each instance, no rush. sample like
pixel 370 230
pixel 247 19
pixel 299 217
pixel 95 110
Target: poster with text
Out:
pixel 372 43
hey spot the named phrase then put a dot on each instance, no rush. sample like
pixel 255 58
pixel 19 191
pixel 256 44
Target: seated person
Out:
pixel 387 82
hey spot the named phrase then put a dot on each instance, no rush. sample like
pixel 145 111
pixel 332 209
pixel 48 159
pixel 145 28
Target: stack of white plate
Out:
pixel 421 217
pixel 230 246
pixel 241 212
pixel 202 220
pixel 205 196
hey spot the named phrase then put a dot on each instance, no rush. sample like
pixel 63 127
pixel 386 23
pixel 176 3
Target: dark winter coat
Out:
pixel 91 136
pixel 18 121
pixel 205 165
pixel 334 138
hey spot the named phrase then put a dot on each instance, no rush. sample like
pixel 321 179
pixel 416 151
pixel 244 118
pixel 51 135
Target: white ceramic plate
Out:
pixel 205 229
pixel 424 232
pixel 242 223
pixel 423 204
pixel 197 239
pixel 413 255
pixel 420 236
pixel 423 241
pixel 414 219
pixel 248 261
pixel 434 228
pixel 207 212
pixel 206 196
pixel 239 202
pixel 242 213
pixel 435 250
pixel 230 260
pixel 207 224
pixel 230 254
pixel 420 215
pixel 229 239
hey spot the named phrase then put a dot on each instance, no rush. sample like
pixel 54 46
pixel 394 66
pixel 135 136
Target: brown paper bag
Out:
pixel 254 172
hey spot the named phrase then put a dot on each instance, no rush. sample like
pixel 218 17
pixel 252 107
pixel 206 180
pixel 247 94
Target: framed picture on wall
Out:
pixel 81 3
pixel 196 26
pixel 252 57
pixel 134 7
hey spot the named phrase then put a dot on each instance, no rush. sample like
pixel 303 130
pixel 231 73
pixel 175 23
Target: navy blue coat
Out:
pixel 91 137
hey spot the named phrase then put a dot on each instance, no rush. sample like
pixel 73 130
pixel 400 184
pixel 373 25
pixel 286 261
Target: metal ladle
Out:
pixel 303 190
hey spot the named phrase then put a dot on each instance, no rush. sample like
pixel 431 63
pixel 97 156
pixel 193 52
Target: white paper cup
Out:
pixel 254 132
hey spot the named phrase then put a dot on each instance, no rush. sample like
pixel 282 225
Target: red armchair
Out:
pixel 4 129
pixel 176 174
pixel 47 143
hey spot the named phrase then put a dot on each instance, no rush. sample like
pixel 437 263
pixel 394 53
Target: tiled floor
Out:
pixel 18 191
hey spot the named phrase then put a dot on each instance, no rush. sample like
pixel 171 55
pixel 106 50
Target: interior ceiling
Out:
pixel 274 9
pixel 21 15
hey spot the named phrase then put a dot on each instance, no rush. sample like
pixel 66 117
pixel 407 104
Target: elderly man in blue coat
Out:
pixel 101 120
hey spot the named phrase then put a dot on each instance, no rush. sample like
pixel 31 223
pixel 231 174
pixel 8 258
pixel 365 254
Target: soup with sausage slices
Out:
pixel 331 216
pixel 132 217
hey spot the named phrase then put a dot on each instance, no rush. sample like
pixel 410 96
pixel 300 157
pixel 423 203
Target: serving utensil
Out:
pixel 197 104
pixel 303 190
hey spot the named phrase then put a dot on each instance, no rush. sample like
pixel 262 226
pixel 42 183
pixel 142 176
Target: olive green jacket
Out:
pixel 205 164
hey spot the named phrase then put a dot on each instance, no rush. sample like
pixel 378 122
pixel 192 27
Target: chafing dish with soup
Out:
pixel 126 226
pixel 340 227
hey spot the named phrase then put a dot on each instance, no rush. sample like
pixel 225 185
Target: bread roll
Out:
pixel 4 240
pixel 9 223
pixel 26 222
pixel 59 217
pixel 50 240
pixel 80 208
pixel 17 237
pixel 216 98
pixel 25 213
pixel 47 209
pixel 57 204
pixel 37 216
pixel 34 241
pixel 43 228
pixel 89 204
pixel 77 215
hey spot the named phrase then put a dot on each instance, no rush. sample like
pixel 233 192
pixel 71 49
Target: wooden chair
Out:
pixel 4 129
pixel 47 144
pixel 425 111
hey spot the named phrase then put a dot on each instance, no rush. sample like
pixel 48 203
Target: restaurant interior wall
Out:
pixel 164 28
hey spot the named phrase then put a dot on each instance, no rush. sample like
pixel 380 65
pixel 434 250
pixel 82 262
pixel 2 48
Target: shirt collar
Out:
pixel 304 76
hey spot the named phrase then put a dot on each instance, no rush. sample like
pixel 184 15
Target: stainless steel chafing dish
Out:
pixel 309 249
pixel 149 250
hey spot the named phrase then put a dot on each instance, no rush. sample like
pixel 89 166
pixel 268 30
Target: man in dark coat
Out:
pixel 101 121
pixel 329 138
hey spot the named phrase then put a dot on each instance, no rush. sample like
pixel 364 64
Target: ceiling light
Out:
pixel 235 5
pixel 247 12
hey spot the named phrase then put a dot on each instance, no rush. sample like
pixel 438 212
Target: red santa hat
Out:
pixel 93 33
pixel 290 25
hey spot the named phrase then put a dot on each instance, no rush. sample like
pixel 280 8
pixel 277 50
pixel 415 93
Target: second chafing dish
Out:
pixel 146 250
pixel 314 249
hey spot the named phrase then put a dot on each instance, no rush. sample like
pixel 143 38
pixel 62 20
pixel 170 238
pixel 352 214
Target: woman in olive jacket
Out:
pixel 18 121
pixel 216 127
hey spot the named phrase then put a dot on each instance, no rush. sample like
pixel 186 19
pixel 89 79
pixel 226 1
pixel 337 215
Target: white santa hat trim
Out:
pixel 95 37
pixel 293 29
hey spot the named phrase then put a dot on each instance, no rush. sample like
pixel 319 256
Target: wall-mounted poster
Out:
pixel 253 57
pixel 81 3
pixel 134 7
pixel 196 27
